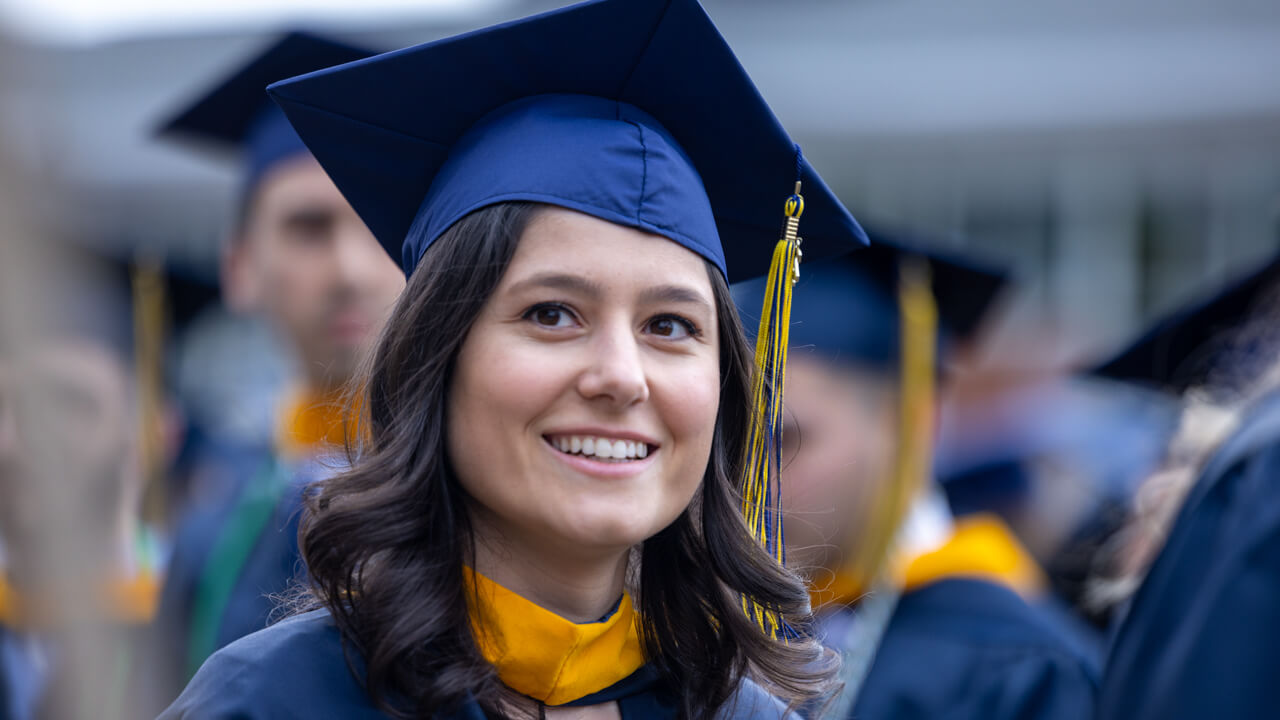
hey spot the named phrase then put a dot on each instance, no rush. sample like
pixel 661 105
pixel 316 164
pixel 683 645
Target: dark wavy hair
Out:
pixel 387 542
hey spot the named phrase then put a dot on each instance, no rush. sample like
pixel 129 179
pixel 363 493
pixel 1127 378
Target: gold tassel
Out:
pixel 149 310
pixel 869 561
pixel 761 502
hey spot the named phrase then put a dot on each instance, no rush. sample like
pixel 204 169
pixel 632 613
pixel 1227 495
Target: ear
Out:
pixel 241 284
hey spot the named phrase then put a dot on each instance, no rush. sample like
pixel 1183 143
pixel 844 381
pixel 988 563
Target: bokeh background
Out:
pixel 1119 157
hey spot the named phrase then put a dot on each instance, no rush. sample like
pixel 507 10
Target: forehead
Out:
pixel 294 181
pixel 567 241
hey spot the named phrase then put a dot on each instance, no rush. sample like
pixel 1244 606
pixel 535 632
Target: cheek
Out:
pixel 496 392
pixel 687 401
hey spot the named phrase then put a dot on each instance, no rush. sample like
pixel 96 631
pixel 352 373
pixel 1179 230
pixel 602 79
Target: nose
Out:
pixel 615 372
pixel 359 261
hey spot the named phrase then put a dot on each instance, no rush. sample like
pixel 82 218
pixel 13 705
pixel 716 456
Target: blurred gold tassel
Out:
pixel 870 558
pixel 149 319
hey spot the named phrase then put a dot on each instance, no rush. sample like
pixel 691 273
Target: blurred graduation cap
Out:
pixel 105 291
pixel 1200 344
pixel 633 111
pixel 848 308
pixel 236 114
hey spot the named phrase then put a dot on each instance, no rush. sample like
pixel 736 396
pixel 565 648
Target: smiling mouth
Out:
pixel 612 450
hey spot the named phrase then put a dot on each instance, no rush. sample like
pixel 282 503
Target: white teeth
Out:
pixel 601 448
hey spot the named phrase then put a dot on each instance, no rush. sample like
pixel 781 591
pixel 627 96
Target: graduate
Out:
pixel 298 255
pixel 1197 639
pixel 78 564
pixel 566 501
pixel 930 612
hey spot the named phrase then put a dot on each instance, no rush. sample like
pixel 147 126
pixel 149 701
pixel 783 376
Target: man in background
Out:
pixel 299 256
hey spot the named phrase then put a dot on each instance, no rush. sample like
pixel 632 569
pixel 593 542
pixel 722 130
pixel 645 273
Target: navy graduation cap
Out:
pixel 847 308
pixel 237 113
pixel 1197 344
pixel 633 111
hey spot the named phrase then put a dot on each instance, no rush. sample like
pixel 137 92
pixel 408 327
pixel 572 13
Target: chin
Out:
pixel 615 529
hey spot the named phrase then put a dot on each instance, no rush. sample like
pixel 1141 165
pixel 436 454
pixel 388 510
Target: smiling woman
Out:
pixel 546 516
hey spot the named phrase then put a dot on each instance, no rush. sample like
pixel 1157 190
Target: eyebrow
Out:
pixel 578 284
pixel 560 281
pixel 673 294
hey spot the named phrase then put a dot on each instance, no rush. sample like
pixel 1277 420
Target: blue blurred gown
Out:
pixel 296 669
pixel 192 620
pixel 1201 638
pixel 960 647
pixel 7 677
pixel 969 649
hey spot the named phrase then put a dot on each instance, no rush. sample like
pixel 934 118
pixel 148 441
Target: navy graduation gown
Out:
pixel 297 669
pixel 968 649
pixel 271 564
pixel 6 702
pixel 1202 636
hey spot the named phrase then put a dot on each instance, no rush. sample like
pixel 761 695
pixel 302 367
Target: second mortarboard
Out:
pixel 847 308
pixel 237 113
pixel 1202 343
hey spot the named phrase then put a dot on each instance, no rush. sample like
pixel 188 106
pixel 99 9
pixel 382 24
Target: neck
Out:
pixel 576 586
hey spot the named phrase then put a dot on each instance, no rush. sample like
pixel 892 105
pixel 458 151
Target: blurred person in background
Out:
pixel 1057 456
pixel 78 568
pixel 1202 559
pixel 930 612
pixel 299 256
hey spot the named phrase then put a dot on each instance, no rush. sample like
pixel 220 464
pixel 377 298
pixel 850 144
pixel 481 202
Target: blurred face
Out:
pixel 837 447
pixel 582 409
pixel 65 447
pixel 308 262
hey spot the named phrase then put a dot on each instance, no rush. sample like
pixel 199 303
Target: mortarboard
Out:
pixel 1199 343
pixel 847 308
pixel 634 111
pixel 237 113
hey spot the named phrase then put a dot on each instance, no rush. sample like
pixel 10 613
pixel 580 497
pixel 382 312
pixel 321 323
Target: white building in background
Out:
pixel 1121 155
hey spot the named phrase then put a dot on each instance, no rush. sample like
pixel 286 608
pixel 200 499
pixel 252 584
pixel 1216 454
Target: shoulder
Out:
pixel 977 613
pixel 975 645
pixel 295 668
pixel 1226 545
pixel 752 702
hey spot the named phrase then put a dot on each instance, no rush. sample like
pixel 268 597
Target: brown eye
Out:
pixel 671 327
pixel 550 316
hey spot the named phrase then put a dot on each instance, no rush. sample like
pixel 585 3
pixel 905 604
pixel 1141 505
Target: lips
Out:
pixel 600 447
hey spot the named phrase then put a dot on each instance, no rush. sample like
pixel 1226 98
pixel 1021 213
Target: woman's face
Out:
pixel 584 400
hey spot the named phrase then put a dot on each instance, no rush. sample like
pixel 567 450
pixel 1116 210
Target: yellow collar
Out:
pixel 131 601
pixel 544 656
pixel 311 422
pixel 981 546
